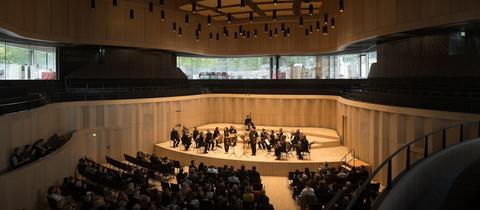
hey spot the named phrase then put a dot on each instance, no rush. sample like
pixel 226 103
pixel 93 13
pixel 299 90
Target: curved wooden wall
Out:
pixel 72 21
pixel 126 126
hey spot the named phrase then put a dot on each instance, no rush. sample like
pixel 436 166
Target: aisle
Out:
pixel 277 190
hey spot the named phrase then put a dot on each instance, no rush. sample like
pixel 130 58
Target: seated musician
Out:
pixel 248 122
pixel 295 139
pixel 302 146
pixel 199 140
pixel 273 141
pixel 195 133
pixel 232 130
pixel 208 141
pixel 226 139
pixel 281 146
pixel 233 133
pixel 186 142
pixel 263 137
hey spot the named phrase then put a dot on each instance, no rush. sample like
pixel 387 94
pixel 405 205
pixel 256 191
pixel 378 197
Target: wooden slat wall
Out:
pixel 72 21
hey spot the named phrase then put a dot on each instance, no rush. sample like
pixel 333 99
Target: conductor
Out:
pixel 253 135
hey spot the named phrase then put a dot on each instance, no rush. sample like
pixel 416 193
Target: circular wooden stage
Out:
pixel 326 148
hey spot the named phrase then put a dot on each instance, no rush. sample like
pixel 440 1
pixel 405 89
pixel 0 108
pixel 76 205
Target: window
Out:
pixel 343 66
pixel 225 68
pixel 27 62
pixel 297 67
pixel 3 65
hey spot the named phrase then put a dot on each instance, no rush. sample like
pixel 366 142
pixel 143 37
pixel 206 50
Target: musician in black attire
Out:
pixel 216 134
pixel 273 141
pixel 226 140
pixel 175 137
pixel 302 146
pixel 186 141
pixel 248 122
pixel 263 136
pixel 296 137
pixel 232 130
pixel 199 140
pixel 280 146
pixel 253 135
pixel 195 133
pixel 208 141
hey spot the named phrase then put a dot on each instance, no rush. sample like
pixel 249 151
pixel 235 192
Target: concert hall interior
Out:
pixel 239 104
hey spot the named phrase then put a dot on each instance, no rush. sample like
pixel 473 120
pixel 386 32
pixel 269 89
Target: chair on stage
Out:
pixel 307 153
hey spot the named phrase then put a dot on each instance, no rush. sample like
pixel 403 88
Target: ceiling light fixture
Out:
pixel 194 6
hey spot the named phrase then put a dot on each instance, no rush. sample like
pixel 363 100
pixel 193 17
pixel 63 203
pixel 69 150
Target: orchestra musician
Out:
pixel 226 139
pixel 253 135
pixel 175 137
pixel 233 133
pixel 195 133
pixel 208 141
pixel 263 137
pixel 199 140
pixel 273 141
pixel 216 137
pixel 295 139
pixel 280 146
pixel 186 141
pixel 302 146
pixel 248 122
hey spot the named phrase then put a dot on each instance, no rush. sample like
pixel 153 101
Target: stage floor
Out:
pixel 266 164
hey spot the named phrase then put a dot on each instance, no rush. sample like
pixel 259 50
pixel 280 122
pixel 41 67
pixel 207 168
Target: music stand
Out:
pixel 243 154
pixel 233 152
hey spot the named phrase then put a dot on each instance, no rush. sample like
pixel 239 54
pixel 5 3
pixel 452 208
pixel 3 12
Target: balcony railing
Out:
pixel 407 157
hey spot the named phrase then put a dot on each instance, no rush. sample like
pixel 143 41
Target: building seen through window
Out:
pixel 27 62
pixel 343 66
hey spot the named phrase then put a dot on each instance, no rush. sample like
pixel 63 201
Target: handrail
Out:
pixel 344 158
pixel 388 161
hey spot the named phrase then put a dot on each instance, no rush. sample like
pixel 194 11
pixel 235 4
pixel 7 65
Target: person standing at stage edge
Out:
pixel 253 135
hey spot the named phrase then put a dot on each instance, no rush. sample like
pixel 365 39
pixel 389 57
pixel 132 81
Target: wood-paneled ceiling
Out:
pixel 261 9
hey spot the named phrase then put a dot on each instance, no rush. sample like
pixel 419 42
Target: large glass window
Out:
pixel 27 62
pixel 297 67
pixel 225 68
pixel 343 66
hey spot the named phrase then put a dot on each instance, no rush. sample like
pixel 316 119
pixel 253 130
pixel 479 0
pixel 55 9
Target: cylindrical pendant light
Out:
pixel 162 15
pixel 194 6
pixel 342 6
pixel 174 26
pixel 187 19
pixel 209 20
pixel 179 31
pixel 332 22
pixel 310 9
pixel 301 22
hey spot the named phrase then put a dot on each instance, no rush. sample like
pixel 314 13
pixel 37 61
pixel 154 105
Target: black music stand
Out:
pixel 233 152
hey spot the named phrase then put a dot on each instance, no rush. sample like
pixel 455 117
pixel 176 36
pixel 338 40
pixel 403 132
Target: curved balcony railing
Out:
pixel 405 157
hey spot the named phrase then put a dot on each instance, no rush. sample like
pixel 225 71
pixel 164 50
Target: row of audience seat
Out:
pixel 118 186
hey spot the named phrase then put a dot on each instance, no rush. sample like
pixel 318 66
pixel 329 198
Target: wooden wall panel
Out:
pixel 371 18
pixel 387 12
pixel 76 17
pixel 408 10
pixel 433 8
pixel 59 18
pixel 43 17
pixel 458 6
pixel 135 27
pixel 95 21
pixel 116 30
pixel 3 12
pixel 358 16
